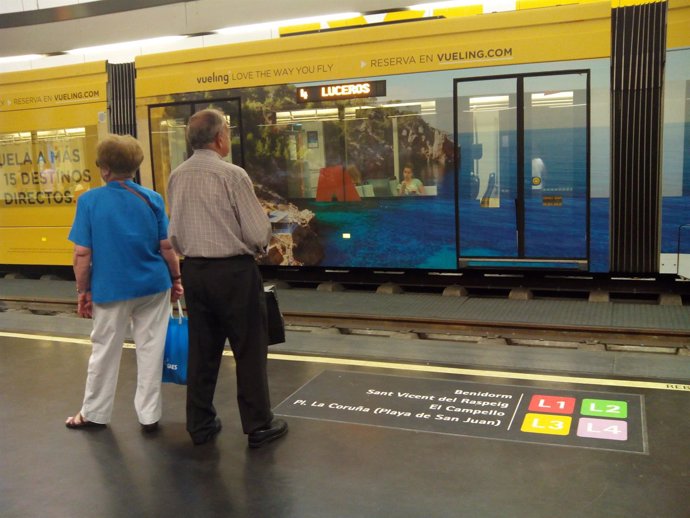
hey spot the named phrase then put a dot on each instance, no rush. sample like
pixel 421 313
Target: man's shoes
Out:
pixel 269 433
pixel 149 428
pixel 217 427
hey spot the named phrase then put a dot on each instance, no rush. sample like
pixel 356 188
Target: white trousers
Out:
pixel 149 319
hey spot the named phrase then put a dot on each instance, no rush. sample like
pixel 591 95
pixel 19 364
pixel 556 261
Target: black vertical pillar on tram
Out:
pixel 686 145
pixel 637 72
pixel 520 146
pixel 122 117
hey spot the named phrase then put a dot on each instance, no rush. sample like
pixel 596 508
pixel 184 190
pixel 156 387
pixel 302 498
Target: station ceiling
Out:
pixel 62 27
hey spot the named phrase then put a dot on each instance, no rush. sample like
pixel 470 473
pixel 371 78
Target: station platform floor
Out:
pixel 379 426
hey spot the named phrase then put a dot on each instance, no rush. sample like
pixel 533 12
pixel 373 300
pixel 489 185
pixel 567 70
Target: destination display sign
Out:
pixel 598 420
pixel 333 92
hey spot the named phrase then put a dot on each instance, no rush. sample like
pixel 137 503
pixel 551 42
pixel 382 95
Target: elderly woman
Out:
pixel 126 271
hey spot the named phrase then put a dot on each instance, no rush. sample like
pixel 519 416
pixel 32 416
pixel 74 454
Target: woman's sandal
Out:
pixel 78 421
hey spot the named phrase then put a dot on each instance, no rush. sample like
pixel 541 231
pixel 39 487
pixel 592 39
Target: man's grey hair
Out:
pixel 204 126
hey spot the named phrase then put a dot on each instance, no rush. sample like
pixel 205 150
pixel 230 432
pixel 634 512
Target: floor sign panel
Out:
pixel 599 420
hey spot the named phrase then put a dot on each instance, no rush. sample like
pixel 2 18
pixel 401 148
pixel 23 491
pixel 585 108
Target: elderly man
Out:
pixel 218 225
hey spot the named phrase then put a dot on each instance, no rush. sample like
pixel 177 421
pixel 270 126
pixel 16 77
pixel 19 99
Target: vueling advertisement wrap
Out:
pixel 49 128
pixel 563 33
pixel 678 24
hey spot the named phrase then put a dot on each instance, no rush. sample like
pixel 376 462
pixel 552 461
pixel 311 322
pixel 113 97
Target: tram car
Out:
pixel 543 139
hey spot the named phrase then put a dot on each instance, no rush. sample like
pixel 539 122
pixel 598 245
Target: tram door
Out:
pixel 523 169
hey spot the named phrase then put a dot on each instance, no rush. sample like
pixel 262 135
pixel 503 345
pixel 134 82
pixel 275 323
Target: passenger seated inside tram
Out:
pixel 410 185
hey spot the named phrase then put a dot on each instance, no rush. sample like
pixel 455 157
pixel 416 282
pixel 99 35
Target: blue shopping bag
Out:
pixel 176 348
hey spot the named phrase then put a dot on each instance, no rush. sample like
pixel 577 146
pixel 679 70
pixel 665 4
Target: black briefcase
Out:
pixel 276 324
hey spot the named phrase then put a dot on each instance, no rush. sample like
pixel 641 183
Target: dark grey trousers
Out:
pixel 225 299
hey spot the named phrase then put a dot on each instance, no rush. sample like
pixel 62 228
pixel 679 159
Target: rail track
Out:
pixel 662 341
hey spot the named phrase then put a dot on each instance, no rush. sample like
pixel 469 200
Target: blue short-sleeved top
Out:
pixel 124 234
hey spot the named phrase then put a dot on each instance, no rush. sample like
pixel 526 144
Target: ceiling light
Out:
pixel 164 40
pixel 18 59
pixel 243 29
pixel 443 5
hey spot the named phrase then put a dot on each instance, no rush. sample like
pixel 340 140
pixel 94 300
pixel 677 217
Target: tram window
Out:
pixel 487 122
pixel 555 143
pixel 168 142
pixel 676 155
pixel 364 144
pixel 168 136
pixel 676 149
pixel 48 168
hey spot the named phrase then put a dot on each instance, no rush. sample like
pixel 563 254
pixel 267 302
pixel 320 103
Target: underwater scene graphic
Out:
pixel 419 232
pixel 410 232
pixel 675 211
